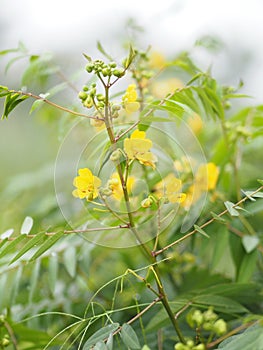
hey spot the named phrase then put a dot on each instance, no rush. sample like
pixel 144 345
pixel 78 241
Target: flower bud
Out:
pixel 89 67
pixel 146 203
pixel 113 64
pixel 100 97
pixel 106 192
pixel 115 155
pixel 83 95
pixel 219 327
pixel 88 102
pixel 199 347
pixel 118 73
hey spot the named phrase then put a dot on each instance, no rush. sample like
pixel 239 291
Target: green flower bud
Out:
pixel 101 104
pixel 100 97
pixel 92 92
pixel 115 155
pixel 113 64
pixel 85 88
pixel 220 327
pixel 146 203
pixel 5 341
pixel 2 320
pixel 88 102
pixel 181 346
pixel 209 315
pixel 190 343
pixel 83 95
pixel 115 115
pixel 118 73
pixel 89 67
pixel 93 85
pixel 208 326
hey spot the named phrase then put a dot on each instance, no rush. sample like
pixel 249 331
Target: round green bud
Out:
pixel 115 115
pixel 105 72
pixel 146 203
pixel 88 102
pixel 89 67
pixel 115 155
pixel 190 343
pixel 83 95
pixel 92 92
pixel 116 108
pixel 5 341
pixel 181 346
pixel 118 73
pixel 93 85
pixel 209 315
pixel 220 327
pixel 113 64
pixel 100 97
pixel 85 88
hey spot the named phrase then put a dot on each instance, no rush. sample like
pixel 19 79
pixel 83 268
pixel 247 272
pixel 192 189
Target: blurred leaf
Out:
pixel 250 243
pixel 252 338
pixel 101 49
pixel 12 246
pixel 47 244
pixel 218 218
pixel 34 279
pixel 29 245
pixel 230 208
pixel 129 337
pixel 27 225
pixel 247 267
pixel 220 303
pixel 101 334
pixel 7 233
pixel 221 239
pixel 100 346
pixel 203 233
pixel 70 260
pixel 52 271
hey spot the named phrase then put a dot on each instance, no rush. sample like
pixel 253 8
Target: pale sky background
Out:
pixel 71 28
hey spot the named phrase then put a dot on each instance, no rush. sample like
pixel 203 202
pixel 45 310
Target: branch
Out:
pixel 70 111
pixel 155 253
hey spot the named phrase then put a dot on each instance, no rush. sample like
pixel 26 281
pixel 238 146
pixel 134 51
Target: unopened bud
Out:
pixel 146 203
pixel 115 155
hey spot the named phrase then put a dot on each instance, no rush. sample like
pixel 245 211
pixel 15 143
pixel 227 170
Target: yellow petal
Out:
pixel 137 134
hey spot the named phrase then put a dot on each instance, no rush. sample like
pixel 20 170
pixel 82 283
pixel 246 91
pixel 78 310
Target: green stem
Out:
pixel 132 226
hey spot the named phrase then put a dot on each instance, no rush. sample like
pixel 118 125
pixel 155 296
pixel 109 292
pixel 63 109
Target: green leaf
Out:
pixel 30 244
pixel 27 225
pixel 248 267
pixel 101 49
pixel 100 346
pixel 34 280
pixel 198 229
pixel 129 337
pixel 101 334
pixel 250 243
pixel 260 181
pixel 110 342
pixel 11 247
pixel 230 208
pixel 218 218
pixel 87 57
pixel 220 303
pixel 252 338
pixel 70 260
pixel 47 244
pixel 11 101
pixel 52 271
pixel 221 239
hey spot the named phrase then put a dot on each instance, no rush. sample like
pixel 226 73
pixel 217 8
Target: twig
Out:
pixel 155 253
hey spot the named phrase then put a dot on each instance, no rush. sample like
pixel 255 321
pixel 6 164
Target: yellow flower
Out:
pixel 115 185
pixel 162 88
pixel 169 188
pixel 206 176
pixel 205 180
pixel 157 60
pixel 87 185
pixel 130 100
pixel 196 124
pixel 137 147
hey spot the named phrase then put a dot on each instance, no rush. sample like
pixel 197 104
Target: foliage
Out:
pixel 159 244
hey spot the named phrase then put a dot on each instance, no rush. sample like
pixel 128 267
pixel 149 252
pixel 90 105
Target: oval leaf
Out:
pixel 27 225
pixel 129 337
pixel 250 243
pixel 101 334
